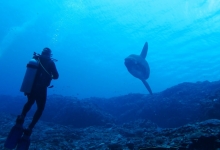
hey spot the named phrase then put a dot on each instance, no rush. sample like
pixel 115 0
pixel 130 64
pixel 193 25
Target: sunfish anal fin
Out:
pixel 147 86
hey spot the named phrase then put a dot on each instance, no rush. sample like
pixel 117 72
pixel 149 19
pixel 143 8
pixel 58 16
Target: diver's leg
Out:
pixel 27 106
pixel 40 100
pixel 24 141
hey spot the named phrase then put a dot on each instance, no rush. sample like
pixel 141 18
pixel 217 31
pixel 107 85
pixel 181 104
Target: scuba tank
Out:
pixel 29 76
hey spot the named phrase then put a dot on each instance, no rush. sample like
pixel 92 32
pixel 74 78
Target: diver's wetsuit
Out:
pixel 46 72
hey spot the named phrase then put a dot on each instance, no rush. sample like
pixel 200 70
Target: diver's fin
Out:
pixel 24 143
pixel 14 136
pixel 144 51
pixel 147 86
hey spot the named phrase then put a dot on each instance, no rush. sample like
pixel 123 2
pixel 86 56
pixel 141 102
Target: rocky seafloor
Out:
pixel 186 116
pixel 138 135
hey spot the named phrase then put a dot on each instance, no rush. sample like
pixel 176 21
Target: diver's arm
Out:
pixel 55 74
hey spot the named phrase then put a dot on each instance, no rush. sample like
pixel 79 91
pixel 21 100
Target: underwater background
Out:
pixel 90 39
pixel 96 104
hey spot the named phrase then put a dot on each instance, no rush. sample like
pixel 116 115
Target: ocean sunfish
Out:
pixel 138 66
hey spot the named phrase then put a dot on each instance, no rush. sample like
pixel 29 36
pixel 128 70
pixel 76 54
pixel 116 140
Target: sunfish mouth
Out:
pixel 130 61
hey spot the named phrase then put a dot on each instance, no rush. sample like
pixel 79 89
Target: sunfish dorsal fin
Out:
pixel 144 51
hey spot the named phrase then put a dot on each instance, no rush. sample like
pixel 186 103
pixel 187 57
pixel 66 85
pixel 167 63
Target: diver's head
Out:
pixel 46 52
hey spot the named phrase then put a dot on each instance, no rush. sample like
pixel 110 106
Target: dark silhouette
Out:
pixel 45 73
pixel 40 71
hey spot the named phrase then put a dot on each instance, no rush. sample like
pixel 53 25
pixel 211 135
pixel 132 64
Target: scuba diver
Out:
pixel 40 71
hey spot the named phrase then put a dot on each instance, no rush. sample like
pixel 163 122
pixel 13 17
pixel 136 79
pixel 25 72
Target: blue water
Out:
pixel 90 39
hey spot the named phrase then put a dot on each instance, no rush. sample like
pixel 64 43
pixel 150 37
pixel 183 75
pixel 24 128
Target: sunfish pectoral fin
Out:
pixel 147 86
pixel 144 51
